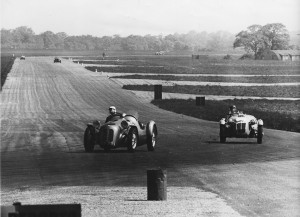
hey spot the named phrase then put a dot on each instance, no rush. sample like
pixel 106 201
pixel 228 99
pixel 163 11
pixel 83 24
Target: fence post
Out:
pixel 158 91
pixel 157 184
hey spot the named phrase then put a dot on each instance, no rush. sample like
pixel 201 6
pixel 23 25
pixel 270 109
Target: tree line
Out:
pixel 255 39
pixel 24 38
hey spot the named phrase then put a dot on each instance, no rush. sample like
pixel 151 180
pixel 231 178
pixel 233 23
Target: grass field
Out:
pixel 207 65
pixel 6 64
pixel 256 79
pixel 281 115
pixel 213 69
pixel 271 91
pixel 131 69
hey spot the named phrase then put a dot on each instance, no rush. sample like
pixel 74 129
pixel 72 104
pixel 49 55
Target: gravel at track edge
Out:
pixel 125 201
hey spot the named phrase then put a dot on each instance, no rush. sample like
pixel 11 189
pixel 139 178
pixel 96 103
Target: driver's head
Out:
pixel 112 110
pixel 233 108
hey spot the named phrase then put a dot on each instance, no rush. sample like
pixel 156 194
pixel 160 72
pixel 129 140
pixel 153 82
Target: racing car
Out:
pixel 22 58
pixel 57 60
pixel 121 131
pixel 240 125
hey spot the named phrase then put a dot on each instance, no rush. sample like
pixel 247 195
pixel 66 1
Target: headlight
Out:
pixel 124 124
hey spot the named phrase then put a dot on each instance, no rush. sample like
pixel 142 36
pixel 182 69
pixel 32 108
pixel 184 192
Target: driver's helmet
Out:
pixel 233 109
pixel 112 109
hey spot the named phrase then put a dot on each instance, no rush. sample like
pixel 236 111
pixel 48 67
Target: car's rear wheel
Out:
pixel 222 133
pixel 132 140
pixel 151 140
pixel 89 139
pixel 259 134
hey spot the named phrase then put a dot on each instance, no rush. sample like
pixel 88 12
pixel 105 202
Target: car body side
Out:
pixel 115 133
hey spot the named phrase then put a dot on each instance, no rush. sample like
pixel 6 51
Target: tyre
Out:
pixel 259 134
pixel 222 133
pixel 132 140
pixel 151 140
pixel 89 139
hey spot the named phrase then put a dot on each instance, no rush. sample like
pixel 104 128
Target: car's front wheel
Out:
pixel 132 140
pixel 222 133
pixel 151 140
pixel 89 139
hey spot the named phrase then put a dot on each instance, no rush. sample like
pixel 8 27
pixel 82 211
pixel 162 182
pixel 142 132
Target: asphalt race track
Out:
pixel 44 111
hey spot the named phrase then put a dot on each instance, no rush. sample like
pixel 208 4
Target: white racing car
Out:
pixel 241 125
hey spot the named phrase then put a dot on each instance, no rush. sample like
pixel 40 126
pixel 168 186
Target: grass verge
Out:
pixel 276 114
pixel 256 79
pixel 130 69
pixel 6 64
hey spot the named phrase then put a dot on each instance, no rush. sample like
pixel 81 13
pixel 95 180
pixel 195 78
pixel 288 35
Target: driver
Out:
pixel 113 113
pixel 232 111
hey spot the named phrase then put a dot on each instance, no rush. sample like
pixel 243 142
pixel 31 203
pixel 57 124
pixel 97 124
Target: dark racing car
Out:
pixel 122 131
pixel 57 60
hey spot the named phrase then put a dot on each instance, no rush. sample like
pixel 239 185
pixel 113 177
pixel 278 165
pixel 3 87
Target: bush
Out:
pixel 227 57
pixel 247 57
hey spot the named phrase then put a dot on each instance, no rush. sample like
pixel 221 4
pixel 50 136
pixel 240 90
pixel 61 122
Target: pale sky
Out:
pixel 141 17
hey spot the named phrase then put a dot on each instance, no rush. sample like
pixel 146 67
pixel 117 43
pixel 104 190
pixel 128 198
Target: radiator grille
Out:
pixel 240 127
pixel 104 135
pixel 110 135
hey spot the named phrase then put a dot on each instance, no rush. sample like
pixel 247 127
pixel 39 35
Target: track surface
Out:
pixel 44 109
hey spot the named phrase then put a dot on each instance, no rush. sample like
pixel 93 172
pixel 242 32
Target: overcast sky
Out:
pixel 125 17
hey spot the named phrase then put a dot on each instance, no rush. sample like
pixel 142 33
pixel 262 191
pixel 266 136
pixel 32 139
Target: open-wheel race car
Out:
pixel 57 60
pixel 122 131
pixel 241 125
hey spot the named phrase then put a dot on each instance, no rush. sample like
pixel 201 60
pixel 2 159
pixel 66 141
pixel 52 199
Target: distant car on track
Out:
pixel 22 58
pixel 241 125
pixel 57 60
pixel 122 131
pixel 160 53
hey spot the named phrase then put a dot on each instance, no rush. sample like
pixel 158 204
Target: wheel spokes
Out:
pixel 133 140
pixel 153 139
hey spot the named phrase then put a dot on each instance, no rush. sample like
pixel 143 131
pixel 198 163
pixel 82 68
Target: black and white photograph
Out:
pixel 171 108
